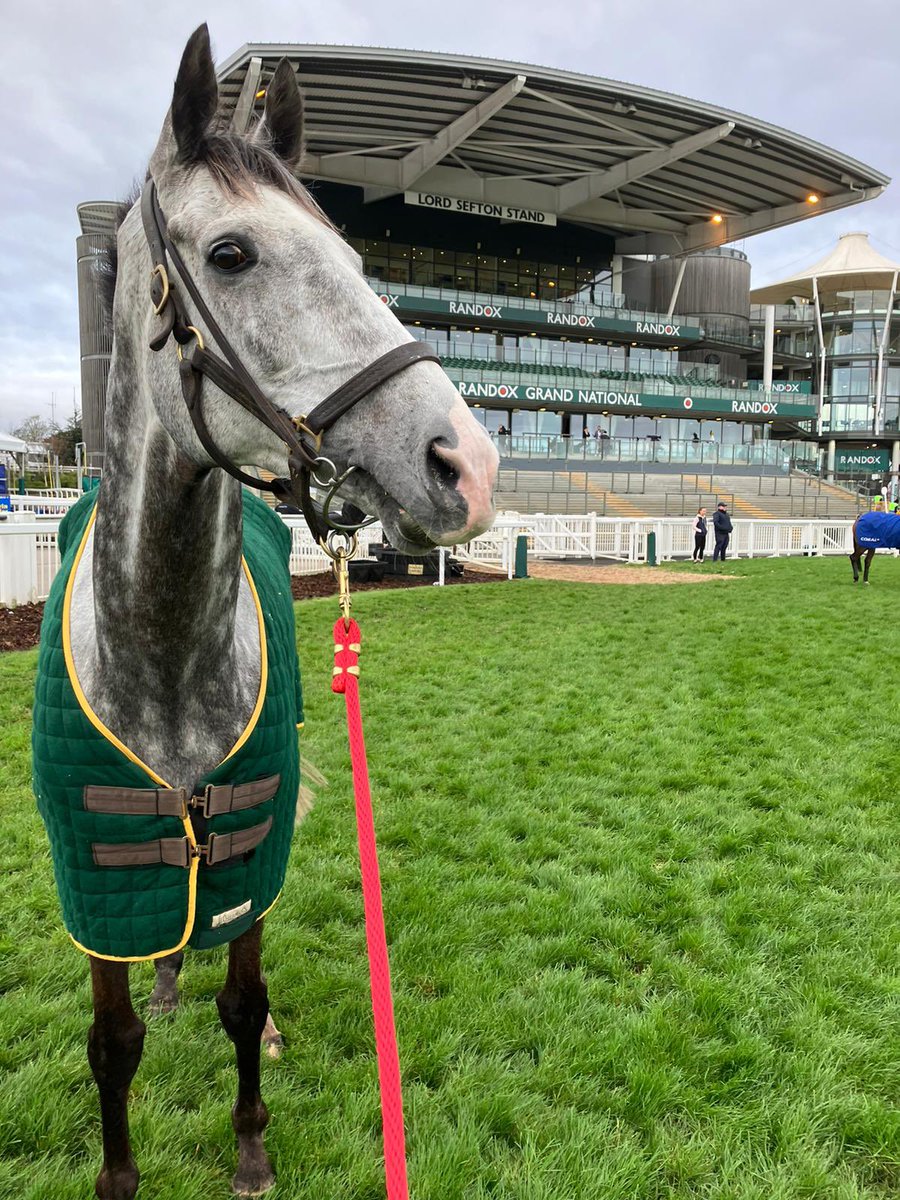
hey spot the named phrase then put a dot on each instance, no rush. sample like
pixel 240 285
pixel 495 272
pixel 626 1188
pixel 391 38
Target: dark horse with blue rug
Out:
pixel 873 531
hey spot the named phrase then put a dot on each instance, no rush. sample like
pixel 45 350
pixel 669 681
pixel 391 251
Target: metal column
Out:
pixel 676 289
pixel 882 346
pixel 818 309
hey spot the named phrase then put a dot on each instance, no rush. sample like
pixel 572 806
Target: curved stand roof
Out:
pixel 650 168
pixel 852 266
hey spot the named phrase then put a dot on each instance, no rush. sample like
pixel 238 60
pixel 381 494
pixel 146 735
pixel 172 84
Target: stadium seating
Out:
pixel 634 494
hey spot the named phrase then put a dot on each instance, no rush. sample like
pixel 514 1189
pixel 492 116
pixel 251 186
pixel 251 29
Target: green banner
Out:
pixel 862 462
pixel 500 314
pixel 604 397
pixel 783 387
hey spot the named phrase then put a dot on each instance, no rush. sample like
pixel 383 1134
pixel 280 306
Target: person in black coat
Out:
pixel 699 535
pixel 722 527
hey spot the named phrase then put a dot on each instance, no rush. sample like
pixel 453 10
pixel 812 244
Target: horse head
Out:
pixel 289 294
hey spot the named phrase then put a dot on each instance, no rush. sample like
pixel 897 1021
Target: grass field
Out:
pixel 640 865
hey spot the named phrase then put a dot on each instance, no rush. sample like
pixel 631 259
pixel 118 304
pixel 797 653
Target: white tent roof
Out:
pixel 852 266
pixel 9 441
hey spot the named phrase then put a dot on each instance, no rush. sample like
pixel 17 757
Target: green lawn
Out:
pixel 640 863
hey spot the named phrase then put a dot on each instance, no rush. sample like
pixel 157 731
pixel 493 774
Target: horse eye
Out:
pixel 228 257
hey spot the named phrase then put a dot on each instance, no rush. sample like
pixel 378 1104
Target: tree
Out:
pixel 34 429
pixel 63 442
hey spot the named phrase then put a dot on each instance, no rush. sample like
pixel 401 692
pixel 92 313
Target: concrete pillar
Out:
pixel 829 469
pixel 615 268
pixel 895 470
pixel 769 347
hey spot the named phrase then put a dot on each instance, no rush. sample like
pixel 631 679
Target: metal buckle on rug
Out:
pixel 201 800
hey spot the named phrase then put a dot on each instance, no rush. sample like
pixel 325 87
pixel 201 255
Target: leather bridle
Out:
pixel 302 435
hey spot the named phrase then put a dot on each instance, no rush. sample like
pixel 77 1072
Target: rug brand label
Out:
pixel 231 914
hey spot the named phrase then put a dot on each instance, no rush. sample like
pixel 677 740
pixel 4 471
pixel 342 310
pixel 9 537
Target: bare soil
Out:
pixel 20 627
pixel 578 573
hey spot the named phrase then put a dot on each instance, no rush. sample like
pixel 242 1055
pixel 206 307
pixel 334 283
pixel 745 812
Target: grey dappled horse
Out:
pixel 164 631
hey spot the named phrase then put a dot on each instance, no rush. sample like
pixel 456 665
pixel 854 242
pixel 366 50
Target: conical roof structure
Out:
pixel 853 265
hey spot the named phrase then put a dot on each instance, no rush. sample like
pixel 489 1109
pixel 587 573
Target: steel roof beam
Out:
pixel 423 158
pixel 582 191
pixel 243 109
pixel 706 235
pixel 732 229
pixel 406 171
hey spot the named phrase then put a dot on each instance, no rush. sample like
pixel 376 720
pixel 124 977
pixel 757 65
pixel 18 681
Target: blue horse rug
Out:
pixel 878 531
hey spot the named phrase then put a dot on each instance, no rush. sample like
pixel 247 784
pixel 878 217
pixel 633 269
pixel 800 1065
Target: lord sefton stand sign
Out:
pixel 477 208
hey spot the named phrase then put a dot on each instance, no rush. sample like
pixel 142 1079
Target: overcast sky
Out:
pixel 87 85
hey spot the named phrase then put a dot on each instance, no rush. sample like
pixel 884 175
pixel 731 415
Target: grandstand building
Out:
pixel 564 242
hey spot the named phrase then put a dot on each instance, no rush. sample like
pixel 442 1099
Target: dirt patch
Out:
pixel 20 627
pixel 311 587
pixel 576 573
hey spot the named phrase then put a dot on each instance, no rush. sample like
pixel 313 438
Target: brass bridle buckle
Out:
pixel 299 423
pixel 160 271
pixel 198 335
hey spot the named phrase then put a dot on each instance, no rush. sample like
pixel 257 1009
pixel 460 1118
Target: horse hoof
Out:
pixel 162 1006
pixel 254 1182
pixel 117 1185
pixel 274 1046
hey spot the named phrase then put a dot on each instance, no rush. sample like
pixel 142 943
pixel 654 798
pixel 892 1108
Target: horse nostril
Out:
pixel 444 474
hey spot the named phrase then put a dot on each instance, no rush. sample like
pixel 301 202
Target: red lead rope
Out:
pixel 346 680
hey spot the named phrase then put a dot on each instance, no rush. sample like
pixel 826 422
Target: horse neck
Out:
pixel 174 676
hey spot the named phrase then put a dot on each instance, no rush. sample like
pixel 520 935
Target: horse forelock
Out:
pixel 238 166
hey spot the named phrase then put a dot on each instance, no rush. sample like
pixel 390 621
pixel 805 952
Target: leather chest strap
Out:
pixel 178 852
pixel 214 800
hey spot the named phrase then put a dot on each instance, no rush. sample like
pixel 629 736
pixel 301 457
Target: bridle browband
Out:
pixel 301 435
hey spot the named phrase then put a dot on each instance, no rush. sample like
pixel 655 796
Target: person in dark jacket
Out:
pixel 699 535
pixel 722 527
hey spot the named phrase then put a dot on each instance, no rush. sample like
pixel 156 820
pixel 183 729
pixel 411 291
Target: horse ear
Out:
pixel 283 120
pixel 195 97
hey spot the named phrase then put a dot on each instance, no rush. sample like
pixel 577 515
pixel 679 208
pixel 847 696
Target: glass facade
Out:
pixel 473 271
pixel 853 325
pixel 590 357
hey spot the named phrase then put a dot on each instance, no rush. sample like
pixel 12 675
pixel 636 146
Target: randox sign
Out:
pixel 786 387
pixel 476 208
pixel 862 462
pixel 500 314
pixel 530 395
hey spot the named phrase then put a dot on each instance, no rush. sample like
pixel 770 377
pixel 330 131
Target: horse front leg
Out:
pixel 243 1006
pixel 870 554
pixel 854 563
pixel 164 997
pixel 115 1044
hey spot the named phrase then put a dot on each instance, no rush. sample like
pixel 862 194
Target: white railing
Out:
pixel 42 506
pixel 29 558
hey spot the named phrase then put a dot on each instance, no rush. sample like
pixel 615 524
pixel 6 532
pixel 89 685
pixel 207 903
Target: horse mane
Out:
pixel 238 165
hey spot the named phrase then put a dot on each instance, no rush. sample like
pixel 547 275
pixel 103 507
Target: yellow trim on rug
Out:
pixel 263 667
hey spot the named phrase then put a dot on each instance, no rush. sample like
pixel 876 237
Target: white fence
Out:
pixel 29 558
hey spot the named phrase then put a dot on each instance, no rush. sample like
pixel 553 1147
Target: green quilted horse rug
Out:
pixel 131 881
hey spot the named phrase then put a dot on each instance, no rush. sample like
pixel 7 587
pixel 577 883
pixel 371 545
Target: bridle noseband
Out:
pixel 301 435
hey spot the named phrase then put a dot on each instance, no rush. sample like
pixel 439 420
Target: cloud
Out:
pixel 85 99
